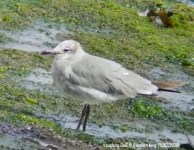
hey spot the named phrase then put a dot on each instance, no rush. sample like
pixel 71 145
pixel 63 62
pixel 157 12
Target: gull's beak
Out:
pixel 49 52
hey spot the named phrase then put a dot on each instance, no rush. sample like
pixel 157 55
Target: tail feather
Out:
pixel 167 90
pixel 162 85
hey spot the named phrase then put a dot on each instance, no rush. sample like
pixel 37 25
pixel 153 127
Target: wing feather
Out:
pixel 109 77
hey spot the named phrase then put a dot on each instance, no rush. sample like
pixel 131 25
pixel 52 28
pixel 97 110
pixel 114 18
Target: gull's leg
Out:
pixel 86 117
pixel 82 116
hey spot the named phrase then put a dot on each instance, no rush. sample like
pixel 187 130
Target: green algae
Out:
pixel 18 63
pixel 129 34
pixel 109 30
pixel 158 114
pixel 147 110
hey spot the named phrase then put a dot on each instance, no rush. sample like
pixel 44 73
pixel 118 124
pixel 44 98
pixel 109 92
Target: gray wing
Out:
pixel 108 77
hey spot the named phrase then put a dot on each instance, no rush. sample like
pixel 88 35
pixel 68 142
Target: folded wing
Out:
pixel 108 77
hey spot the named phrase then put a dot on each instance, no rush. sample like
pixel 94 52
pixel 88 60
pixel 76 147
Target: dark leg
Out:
pixel 86 117
pixel 82 116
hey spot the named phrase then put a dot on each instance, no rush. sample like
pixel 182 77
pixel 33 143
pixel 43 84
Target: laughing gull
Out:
pixel 92 80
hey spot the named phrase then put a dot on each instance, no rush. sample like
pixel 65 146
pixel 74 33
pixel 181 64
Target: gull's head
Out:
pixel 65 49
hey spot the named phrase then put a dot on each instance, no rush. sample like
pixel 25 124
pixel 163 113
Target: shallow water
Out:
pixel 70 122
pixel 188 2
pixel 38 79
pixel 178 101
pixel 40 36
pixel 181 101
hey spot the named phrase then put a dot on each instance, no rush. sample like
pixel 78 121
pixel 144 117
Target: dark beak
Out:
pixel 49 52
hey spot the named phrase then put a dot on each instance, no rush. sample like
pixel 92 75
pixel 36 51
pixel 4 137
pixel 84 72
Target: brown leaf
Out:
pixel 165 19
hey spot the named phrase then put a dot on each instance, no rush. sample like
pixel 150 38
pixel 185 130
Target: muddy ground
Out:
pixel 34 115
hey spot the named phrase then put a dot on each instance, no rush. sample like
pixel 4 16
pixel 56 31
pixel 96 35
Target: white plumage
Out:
pixel 93 79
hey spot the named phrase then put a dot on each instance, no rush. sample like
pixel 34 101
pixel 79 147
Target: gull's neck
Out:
pixel 79 55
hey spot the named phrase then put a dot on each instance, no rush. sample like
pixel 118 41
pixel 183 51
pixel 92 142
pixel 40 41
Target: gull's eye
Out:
pixel 66 50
